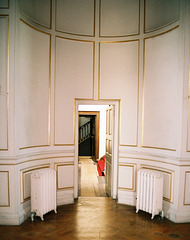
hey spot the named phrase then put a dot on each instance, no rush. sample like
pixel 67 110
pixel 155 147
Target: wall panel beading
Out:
pixel 4 81
pixel 4 4
pixel 71 20
pixel 160 91
pixel 168 190
pixel 124 19
pixel 127 177
pixel 118 79
pixel 74 78
pixel 158 14
pixel 65 177
pixel 34 87
pixel 39 12
pixel 4 189
pixel 25 181
pixel 186 189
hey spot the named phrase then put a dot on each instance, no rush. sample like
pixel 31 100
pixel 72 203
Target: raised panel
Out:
pixel 65 176
pixel 4 189
pixel 119 80
pixel 168 183
pixel 161 97
pixel 160 13
pixel 4 4
pixel 119 18
pixel 187 189
pixel 126 177
pixel 34 86
pixel 74 79
pixel 4 61
pixel 25 181
pixel 75 16
pixel 38 11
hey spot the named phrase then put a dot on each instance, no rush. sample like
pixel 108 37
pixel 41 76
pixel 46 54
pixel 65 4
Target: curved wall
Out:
pixel 132 51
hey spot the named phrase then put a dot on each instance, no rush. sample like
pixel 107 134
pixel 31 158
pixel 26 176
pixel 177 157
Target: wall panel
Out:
pixel 187 187
pixel 127 177
pixel 38 11
pixel 26 183
pixel 161 96
pixel 119 18
pixel 4 28
pixel 4 4
pixel 34 84
pixel 160 13
pixel 4 189
pixel 75 16
pixel 65 178
pixel 74 79
pixel 119 80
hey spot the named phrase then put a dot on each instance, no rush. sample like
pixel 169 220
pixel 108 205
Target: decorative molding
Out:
pixel 6 7
pixel 22 179
pixel 49 100
pixel 185 185
pixel 120 100
pixel 76 34
pixel 126 35
pixel 146 146
pixel 7 90
pixel 34 21
pixel 158 28
pixel 8 188
pixel 169 172
pixel 75 99
pixel 133 176
pixel 56 166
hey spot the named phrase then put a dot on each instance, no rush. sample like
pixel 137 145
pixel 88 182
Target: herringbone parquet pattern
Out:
pixel 96 218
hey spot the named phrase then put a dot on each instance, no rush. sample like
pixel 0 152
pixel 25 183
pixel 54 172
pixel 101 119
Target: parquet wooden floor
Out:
pixel 96 218
pixel 90 184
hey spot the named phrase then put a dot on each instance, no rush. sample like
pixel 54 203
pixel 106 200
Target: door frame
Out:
pixel 97 124
pixel 116 115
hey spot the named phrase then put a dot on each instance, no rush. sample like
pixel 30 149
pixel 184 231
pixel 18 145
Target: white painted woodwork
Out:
pixel 138 62
pixel 119 80
pixel 4 4
pixel 161 91
pixel 75 17
pixel 74 71
pixel 65 176
pixel 119 18
pixel 38 11
pixel 33 87
pixel 160 13
pixel 4 25
pixel 4 189
pixel 109 152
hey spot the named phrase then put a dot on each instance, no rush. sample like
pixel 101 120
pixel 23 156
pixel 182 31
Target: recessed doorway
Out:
pixel 82 158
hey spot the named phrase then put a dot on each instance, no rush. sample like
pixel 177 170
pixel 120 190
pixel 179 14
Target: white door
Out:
pixel 109 142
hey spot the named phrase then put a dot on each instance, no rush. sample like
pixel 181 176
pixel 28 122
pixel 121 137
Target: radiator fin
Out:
pixel 150 191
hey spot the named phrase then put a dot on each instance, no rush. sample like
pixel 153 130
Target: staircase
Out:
pixel 84 132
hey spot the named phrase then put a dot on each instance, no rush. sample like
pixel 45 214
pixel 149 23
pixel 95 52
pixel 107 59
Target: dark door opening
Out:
pixel 89 134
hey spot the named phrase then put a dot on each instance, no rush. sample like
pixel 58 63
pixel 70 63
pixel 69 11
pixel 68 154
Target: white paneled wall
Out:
pixel 55 53
pixel 74 79
pixel 161 90
pixel 4 79
pixel 34 84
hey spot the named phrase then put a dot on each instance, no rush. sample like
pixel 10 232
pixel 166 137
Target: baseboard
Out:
pixel 126 197
pixel 65 196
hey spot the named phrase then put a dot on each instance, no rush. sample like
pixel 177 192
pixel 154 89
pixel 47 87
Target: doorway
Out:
pixel 114 165
pixel 89 134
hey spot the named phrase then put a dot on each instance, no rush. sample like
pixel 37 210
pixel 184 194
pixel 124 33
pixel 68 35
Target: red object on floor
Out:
pixel 101 165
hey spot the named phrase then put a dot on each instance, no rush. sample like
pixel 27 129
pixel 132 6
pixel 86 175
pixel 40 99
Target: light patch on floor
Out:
pixel 90 184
